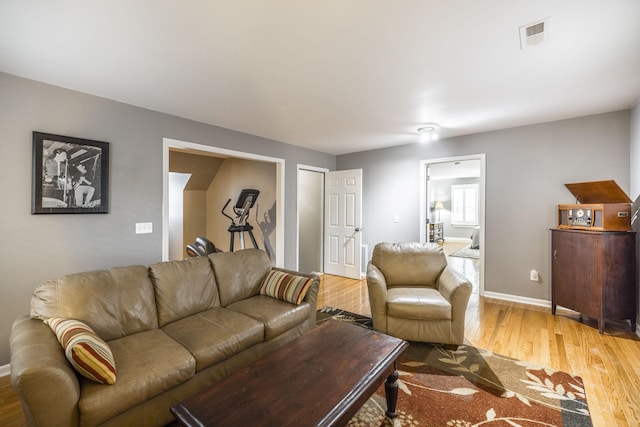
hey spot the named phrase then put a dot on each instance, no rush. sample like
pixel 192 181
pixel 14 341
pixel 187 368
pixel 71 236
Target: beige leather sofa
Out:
pixel 415 295
pixel 173 328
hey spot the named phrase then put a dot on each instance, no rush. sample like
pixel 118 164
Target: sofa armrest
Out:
pixel 377 287
pixel 41 375
pixel 312 293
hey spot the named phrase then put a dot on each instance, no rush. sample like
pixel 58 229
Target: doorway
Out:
pixel 198 149
pixel 310 219
pixel 453 173
pixel 330 217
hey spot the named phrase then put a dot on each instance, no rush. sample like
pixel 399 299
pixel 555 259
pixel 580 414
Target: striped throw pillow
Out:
pixel 286 287
pixel 86 352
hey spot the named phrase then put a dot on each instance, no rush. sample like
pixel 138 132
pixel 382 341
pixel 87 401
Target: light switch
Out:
pixel 144 227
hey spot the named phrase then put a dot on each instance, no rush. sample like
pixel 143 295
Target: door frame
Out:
pixel 482 196
pixel 168 143
pixel 323 171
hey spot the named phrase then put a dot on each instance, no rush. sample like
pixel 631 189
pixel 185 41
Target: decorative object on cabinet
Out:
pixel 602 206
pixel 70 175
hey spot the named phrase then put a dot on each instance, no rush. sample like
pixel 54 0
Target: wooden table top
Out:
pixel 319 379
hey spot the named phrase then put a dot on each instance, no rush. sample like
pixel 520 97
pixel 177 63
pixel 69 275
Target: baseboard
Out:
pixel 516 298
pixel 5 370
pixel 457 239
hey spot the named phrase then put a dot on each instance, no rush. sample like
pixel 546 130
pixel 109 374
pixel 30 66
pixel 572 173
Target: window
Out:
pixel 464 204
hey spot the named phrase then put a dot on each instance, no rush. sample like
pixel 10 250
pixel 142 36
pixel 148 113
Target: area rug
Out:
pixel 467 252
pixel 471 387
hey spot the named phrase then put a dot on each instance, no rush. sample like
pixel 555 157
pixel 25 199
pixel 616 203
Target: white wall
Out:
pixel 177 182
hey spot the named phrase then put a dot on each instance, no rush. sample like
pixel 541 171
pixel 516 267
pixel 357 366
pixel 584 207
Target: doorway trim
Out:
pixel 323 171
pixel 423 202
pixel 168 143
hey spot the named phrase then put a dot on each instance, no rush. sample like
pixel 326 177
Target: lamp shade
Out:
pixel 439 205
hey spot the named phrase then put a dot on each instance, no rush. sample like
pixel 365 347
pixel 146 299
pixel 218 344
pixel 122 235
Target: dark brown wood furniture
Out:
pixel 319 379
pixel 594 273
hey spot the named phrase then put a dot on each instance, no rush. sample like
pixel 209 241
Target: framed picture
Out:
pixel 70 175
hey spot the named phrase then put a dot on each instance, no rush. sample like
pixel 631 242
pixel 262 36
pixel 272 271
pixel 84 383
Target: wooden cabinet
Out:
pixel 594 273
pixel 436 232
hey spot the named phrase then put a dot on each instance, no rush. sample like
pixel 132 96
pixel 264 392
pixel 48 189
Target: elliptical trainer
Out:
pixel 243 205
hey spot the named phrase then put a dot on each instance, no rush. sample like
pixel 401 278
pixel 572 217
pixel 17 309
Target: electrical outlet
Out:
pixel 144 227
pixel 534 276
pixel 396 218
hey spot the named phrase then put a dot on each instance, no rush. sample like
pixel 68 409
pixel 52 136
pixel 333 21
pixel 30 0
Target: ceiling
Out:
pixel 335 76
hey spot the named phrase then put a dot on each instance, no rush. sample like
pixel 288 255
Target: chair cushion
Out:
pixel 86 352
pixel 418 304
pixel 149 363
pixel 277 316
pixel 215 335
pixel 409 263
pixel 286 287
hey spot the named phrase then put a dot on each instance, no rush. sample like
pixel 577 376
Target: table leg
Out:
pixel 391 393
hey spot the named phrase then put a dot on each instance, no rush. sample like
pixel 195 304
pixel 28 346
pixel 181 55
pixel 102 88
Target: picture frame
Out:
pixel 70 175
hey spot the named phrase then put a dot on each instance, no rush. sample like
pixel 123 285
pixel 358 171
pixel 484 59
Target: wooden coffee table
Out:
pixel 319 379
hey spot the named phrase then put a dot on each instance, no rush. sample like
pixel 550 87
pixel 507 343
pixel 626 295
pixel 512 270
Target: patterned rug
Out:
pixel 467 252
pixel 472 387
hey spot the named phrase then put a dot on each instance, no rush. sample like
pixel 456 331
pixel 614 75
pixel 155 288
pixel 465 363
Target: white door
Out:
pixel 343 220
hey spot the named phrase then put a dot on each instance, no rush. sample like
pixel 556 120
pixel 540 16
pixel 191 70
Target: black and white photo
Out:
pixel 70 175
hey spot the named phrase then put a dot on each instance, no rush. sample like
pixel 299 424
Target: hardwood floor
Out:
pixel 609 363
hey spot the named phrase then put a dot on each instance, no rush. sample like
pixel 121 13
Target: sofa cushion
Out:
pixel 286 287
pixel 418 304
pixel 239 274
pixel 86 352
pixel 183 288
pixel 149 363
pixel 215 335
pixel 276 315
pixel 114 303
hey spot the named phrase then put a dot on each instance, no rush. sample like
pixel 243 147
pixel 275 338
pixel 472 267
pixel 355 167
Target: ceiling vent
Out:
pixel 535 33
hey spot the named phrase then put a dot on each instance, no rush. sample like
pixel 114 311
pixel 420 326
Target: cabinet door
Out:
pixel 575 272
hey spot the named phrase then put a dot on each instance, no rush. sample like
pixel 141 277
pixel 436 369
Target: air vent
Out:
pixel 535 33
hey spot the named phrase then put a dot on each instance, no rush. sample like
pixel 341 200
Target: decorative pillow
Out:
pixel 286 287
pixel 86 352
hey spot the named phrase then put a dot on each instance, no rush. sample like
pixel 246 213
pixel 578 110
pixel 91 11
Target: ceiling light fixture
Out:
pixel 427 133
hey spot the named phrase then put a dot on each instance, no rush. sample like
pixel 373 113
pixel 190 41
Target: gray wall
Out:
pixel 635 172
pixel 35 248
pixel 526 170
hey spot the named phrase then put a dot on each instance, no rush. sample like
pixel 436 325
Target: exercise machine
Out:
pixel 201 247
pixel 245 202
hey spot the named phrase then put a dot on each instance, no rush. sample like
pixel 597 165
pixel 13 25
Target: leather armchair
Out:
pixel 415 295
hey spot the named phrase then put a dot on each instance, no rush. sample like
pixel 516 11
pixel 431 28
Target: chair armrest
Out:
pixel 41 375
pixel 456 289
pixel 377 287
